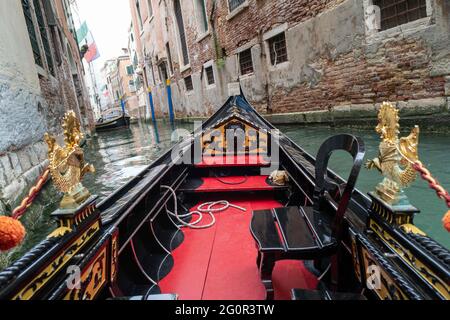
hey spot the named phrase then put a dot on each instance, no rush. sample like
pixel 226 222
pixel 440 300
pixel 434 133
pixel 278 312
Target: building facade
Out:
pixel 41 77
pixel 318 60
pixel 119 76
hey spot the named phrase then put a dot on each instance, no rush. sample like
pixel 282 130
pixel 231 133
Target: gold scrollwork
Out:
pixel 57 264
pixel 410 259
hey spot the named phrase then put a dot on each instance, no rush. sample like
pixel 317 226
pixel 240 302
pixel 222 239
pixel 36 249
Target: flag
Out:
pixel 82 32
pixel 92 53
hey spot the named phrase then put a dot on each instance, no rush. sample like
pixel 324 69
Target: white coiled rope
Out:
pixel 205 208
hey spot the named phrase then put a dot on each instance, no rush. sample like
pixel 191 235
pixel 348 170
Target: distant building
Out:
pixel 119 76
pixel 295 56
pixel 41 77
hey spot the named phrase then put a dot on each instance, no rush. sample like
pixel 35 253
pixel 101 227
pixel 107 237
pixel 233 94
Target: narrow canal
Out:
pixel 120 155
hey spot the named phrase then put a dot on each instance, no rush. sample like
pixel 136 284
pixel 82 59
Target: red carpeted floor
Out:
pixel 220 263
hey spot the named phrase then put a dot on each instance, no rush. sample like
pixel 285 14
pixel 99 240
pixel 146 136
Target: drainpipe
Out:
pixel 169 97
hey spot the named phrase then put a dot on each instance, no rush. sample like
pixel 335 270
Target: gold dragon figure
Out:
pixel 396 157
pixel 67 165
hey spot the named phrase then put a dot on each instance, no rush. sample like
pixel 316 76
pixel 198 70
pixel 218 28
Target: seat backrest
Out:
pixel 354 146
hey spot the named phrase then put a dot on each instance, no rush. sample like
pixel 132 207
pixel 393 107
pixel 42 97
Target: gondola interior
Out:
pixel 218 257
pixel 237 211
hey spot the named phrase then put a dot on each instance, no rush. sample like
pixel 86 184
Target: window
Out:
pixel 169 57
pixel 131 86
pixel 32 32
pixel 180 23
pixel 130 70
pixel 138 13
pixel 150 8
pixel 44 35
pixel 246 62
pixel 210 75
pixel 398 12
pixel 278 50
pixel 163 75
pixel 234 4
pixel 188 83
pixel 202 16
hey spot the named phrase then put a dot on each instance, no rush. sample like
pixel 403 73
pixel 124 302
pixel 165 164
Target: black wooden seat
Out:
pixel 306 233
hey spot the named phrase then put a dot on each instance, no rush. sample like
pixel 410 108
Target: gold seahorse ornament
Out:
pixel 396 157
pixel 67 165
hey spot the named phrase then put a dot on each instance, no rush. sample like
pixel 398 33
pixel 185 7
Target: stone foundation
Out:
pixel 19 171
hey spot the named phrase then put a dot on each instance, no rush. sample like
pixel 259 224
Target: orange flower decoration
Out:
pixel 446 221
pixel 12 233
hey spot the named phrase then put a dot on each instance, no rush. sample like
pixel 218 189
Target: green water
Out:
pixel 119 155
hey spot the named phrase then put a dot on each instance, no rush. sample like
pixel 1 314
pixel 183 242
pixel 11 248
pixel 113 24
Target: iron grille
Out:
pixel 188 83
pixel 179 17
pixel 278 50
pixel 210 75
pixel 44 36
pixel 246 62
pixel 32 32
pixel 234 4
pixel 398 12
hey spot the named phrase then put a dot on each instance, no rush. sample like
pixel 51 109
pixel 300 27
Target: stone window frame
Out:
pixel 248 46
pixel 238 10
pixel 205 66
pixel 269 35
pixel 376 35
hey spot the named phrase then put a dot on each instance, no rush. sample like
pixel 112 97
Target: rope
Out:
pixel 435 185
pixel 32 194
pixel 201 211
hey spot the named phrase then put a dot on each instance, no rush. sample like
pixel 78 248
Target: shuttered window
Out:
pixel 398 12
pixel 32 32
pixel 182 33
pixel 44 36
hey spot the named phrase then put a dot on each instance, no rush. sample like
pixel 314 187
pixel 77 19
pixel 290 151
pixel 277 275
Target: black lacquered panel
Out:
pixel 295 229
pixel 265 232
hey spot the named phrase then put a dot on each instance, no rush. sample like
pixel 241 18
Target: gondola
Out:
pixel 113 122
pixel 236 211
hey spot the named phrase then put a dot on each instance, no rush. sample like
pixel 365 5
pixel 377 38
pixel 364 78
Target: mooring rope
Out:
pixel 12 232
pixel 32 194
pixel 436 186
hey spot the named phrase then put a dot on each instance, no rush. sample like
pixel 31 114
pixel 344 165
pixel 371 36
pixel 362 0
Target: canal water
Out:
pixel 119 155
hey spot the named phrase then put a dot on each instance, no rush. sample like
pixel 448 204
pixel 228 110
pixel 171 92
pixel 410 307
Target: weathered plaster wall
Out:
pixel 22 122
pixel 21 119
